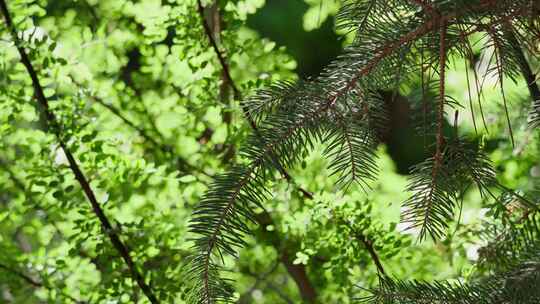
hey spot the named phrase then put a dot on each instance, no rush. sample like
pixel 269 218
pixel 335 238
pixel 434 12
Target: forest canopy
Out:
pixel 252 151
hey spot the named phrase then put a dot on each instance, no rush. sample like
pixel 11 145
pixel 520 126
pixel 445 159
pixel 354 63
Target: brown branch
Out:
pixel 226 70
pixel 74 166
pixel 368 244
pixel 381 53
pixel 183 163
pixel 21 275
pixel 297 272
pixel 526 70
pixel 220 55
pixel 36 284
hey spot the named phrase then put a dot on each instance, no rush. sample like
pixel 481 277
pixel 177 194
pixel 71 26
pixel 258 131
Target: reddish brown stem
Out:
pixel 238 95
pixel 368 244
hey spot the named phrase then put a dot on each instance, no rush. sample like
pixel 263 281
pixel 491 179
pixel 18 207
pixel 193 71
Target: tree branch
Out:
pixel 368 244
pixel 220 55
pixel 183 163
pixel 74 166
pixel 297 272
pixel 36 284
pixel 526 70
pixel 21 275
pixel 238 95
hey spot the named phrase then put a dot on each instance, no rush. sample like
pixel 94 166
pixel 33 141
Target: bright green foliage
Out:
pixel 229 180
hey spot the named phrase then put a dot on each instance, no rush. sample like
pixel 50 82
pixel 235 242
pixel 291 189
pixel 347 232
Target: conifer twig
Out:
pixel 53 124
pixel 437 160
pixel 213 236
pixel 297 272
pixel 500 74
pixel 238 95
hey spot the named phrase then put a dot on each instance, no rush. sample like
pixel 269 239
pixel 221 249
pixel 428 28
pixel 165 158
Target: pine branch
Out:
pixel 238 95
pixel 509 245
pixel 351 145
pixel 388 49
pixel 517 286
pixel 512 259
pixel 430 202
pixel 244 185
pixel 302 116
pixel 74 166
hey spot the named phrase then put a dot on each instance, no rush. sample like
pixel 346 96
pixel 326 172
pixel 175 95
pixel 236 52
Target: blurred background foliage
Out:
pixel 144 106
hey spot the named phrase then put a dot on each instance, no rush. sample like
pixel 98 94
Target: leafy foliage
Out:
pixel 162 151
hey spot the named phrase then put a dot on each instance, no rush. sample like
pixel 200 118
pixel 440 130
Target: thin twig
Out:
pixel 35 202
pixel 526 70
pixel 238 95
pixel 221 57
pixel 74 166
pixel 368 244
pixel 167 149
pixel 186 166
pixel 21 275
pixel 36 284
pixel 437 159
